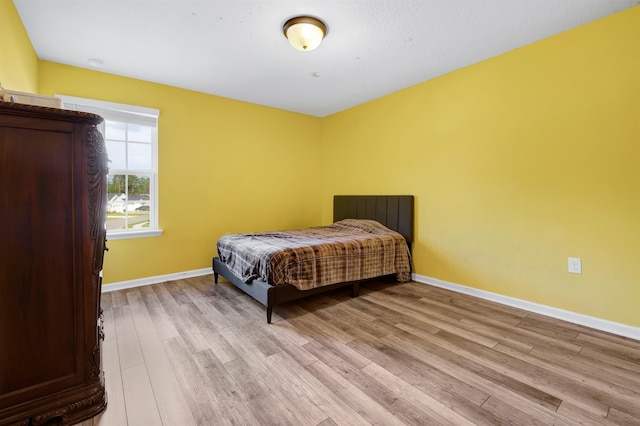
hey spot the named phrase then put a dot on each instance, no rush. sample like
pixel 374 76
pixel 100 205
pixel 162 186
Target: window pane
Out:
pixel 115 130
pixel 116 186
pixel 139 156
pixel 138 213
pixel 138 133
pixel 116 151
pixel 139 188
pixel 139 201
pixel 116 202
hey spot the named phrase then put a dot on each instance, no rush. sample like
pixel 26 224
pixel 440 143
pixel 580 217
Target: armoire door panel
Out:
pixel 37 302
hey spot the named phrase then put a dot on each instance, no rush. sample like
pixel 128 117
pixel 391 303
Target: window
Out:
pixel 131 138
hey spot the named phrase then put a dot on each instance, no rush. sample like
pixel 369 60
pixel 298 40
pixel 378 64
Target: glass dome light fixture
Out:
pixel 304 32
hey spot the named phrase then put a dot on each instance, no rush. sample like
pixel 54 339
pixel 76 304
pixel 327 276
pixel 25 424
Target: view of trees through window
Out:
pixel 128 201
pixel 130 184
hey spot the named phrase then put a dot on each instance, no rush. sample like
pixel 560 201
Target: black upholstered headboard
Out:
pixel 393 211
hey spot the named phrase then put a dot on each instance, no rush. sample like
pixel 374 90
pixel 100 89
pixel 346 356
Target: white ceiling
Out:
pixel 236 49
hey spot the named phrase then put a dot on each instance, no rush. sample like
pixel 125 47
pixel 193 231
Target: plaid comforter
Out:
pixel 348 250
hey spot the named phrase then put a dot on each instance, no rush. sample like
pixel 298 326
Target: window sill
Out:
pixel 112 236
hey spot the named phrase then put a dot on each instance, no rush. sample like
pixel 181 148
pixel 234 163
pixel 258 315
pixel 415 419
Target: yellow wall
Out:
pixel 18 60
pixel 517 163
pixel 224 166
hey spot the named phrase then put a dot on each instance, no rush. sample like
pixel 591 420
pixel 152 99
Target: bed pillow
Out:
pixel 367 225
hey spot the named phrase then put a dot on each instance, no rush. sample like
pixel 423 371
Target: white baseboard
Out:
pixel 588 321
pixel 155 280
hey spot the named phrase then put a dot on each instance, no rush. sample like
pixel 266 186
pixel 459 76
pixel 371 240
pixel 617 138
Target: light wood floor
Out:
pixel 190 352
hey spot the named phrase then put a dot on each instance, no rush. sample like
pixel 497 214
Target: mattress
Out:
pixel 347 250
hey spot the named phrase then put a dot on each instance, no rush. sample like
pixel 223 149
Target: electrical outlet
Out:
pixel 575 265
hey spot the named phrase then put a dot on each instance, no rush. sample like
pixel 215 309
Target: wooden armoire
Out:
pixel 53 173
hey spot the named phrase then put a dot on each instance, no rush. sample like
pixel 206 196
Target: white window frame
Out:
pixel 131 114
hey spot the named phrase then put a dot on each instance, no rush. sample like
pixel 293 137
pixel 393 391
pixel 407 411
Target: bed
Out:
pixel 384 216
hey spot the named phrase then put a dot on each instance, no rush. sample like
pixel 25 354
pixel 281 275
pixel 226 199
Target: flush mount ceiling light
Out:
pixel 304 32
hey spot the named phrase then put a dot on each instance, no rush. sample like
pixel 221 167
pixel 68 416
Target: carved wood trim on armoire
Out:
pixel 53 173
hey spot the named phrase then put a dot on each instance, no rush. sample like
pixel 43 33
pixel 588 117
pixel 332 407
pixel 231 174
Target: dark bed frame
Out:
pixel 393 211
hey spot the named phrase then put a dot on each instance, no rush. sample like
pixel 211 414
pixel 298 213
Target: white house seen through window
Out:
pixel 131 139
